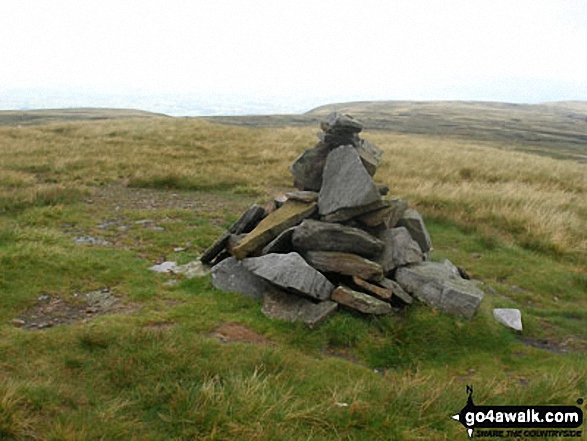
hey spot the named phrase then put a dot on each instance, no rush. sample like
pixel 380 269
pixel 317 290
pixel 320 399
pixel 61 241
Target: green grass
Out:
pixel 152 371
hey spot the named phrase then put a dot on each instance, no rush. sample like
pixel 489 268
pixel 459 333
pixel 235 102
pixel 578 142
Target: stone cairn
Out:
pixel 336 242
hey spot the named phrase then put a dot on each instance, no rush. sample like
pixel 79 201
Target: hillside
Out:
pixel 96 346
pixel 554 129
pixel 36 117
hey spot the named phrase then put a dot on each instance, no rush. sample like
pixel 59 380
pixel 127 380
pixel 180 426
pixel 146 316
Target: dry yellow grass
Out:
pixel 528 198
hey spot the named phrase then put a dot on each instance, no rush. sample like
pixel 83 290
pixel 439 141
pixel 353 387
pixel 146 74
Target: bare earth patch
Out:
pixel 53 310
pixel 235 332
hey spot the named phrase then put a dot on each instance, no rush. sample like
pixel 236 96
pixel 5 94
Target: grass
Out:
pixel 152 371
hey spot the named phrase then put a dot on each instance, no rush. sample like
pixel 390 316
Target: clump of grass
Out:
pixel 15 419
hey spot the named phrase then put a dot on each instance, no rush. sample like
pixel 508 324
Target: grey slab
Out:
pixel 345 182
pixel 412 220
pixel 440 285
pixel 326 236
pixel 360 301
pixel 291 272
pixel 232 275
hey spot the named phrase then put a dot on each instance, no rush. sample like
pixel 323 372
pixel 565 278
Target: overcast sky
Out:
pixel 514 50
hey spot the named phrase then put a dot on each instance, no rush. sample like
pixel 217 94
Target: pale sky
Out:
pixel 514 50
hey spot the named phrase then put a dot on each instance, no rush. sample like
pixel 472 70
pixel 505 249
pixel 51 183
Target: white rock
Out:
pixel 165 267
pixel 510 317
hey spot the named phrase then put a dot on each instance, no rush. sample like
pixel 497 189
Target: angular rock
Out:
pixel 324 236
pixel 512 318
pixel 346 214
pixel 307 169
pixel 360 301
pixel 192 269
pixel 248 220
pixel 341 122
pixel 375 217
pixel 377 291
pixel 412 220
pixel 344 263
pixel 231 275
pixel 439 285
pixel 288 215
pixel 345 182
pixel 396 290
pixel 303 196
pixel 215 249
pixel 336 138
pixel 405 250
pixel 400 249
pixel 370 156
pixel 291 308
pixel 281 244
pixel 291 272
pixel 398 208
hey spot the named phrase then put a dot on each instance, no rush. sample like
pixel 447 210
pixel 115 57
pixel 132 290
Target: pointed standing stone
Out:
pixel 345 182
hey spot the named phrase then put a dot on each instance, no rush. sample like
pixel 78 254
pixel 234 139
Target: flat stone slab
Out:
pixel 231 275
pixel 291 272
pixel 288 215
pixel 344 263
pixel 440 285
pixel 345 182
pixel 412 220
pixel 248 220
pixel 360 301
pixel 377 291
pixel 346 214
pixel 396 290
pixel 340 121
pixel 303 196
pixel 326 236
pixel 510 317
pixel 292 308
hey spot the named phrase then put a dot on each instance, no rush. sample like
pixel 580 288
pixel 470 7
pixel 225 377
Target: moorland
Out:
pixel 502 189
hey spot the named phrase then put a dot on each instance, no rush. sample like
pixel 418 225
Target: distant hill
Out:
pixel 557 129
pixel 35 117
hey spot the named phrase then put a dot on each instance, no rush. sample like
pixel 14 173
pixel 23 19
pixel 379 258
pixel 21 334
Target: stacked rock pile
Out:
pixel 336 241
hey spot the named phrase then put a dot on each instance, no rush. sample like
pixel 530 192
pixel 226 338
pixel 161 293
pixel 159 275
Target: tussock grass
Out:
pixel 506 217
pixel 535 201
